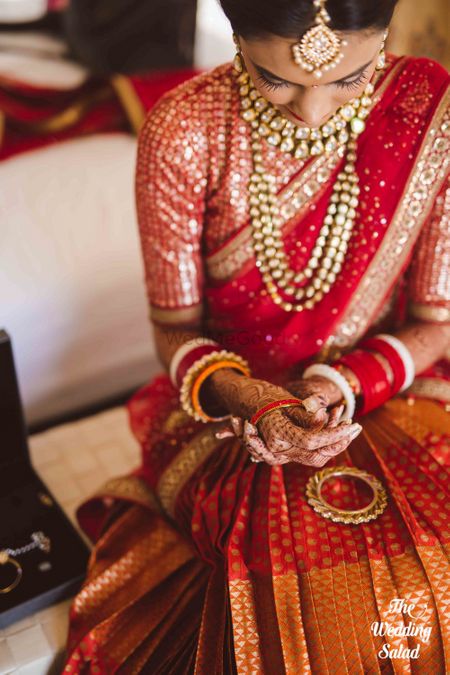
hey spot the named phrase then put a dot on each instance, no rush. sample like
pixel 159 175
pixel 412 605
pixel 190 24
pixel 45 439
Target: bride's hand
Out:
pixel 280 436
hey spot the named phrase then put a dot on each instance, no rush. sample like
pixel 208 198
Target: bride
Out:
pixel 293 490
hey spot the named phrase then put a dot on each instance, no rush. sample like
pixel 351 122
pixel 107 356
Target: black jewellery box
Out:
pixel 43 559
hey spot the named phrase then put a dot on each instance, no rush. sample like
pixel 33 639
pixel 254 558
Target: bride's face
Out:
pixel 299 95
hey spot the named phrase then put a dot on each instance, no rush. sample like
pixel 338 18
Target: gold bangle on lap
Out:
pixel 355 517
pixel 5 559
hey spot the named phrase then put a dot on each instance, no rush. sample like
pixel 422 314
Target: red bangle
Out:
pixel 375 386
pixel 392 356
pixel 283 403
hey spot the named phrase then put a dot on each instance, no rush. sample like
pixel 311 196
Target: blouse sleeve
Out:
pixel 170 186
pixel 429 278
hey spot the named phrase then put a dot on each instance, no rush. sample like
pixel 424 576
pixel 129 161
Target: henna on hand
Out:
pixel 282 435
pixel 315 385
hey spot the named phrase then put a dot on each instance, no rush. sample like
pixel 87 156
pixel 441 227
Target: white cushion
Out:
pixel 71 277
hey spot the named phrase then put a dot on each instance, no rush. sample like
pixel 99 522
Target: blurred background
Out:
pixel 76 79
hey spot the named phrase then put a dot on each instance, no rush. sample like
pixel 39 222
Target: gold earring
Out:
pixel 381 61
pixel 238 63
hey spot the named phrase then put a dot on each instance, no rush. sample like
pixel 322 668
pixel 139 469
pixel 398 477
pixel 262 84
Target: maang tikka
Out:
pixel 319 50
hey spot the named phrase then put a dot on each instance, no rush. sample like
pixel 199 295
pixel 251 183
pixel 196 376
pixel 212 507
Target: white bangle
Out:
pixel 339 380
pixel 183 350
pixel 405 355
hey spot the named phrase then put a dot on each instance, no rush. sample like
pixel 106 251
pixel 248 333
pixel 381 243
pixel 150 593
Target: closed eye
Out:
pixel 352 84
pixel 271 85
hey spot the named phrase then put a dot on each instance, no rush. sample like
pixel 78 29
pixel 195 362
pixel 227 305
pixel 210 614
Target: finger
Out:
pixel 257 447
pixel 250 429
pixel 335 416
pixel 237 425
pixel 225 433
pixel 315 459
pixel 260 453
pixel 315 402
pixel 343 432
pixel 333 450
pixel 308 420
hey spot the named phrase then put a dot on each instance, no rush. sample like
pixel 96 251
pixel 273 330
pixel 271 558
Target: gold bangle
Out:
pixel 5 559
pixel 355 517
pixel 206 372
pixel 195 370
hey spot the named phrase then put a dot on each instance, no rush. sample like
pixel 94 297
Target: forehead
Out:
pixel 274 54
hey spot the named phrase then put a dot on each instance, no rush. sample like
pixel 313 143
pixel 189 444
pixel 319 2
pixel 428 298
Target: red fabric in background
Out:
pixel 23 106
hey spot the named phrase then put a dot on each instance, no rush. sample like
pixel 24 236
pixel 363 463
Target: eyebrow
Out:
pixel 264 71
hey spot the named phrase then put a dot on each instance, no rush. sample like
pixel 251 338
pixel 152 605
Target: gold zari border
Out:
pixel 130 488
pixel 179 472
pixel 130 101
pixel 425 180
pixel 429 313
pixel 177 316
pixel 430 387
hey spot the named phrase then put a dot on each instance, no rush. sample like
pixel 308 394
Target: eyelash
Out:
pixel 273 86
pixel 353 84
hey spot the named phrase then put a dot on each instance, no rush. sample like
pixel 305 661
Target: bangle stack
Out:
pixel 190 368
pixel 375 386
pixel 378 385
pixel 365 364
pixel 399 352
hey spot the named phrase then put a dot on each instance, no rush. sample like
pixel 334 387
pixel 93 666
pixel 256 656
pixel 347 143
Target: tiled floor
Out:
pixel 73 460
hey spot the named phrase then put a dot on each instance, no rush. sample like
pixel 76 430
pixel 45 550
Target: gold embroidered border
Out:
pixel 179 472
pixel 418 196
pixel 429 313
pixel 292 635
pixel 178 316
pixel 130 488
pixel 430 387
pixel 130 101
pixel 245 628
pixel 295 198
pixel 70 116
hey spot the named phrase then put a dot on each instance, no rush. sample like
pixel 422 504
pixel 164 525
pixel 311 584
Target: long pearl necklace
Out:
pixel 328 254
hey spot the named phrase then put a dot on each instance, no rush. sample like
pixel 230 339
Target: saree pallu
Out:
pixel 207 563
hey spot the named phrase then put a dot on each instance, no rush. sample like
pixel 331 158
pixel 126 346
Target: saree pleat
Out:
pixel 252 580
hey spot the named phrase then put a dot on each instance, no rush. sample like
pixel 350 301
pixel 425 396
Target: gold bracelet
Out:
pixel 5 559
pixel 204 374
pixel 195 371
pixel 355 517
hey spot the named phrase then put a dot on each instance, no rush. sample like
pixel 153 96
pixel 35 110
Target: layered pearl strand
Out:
pixel 328 254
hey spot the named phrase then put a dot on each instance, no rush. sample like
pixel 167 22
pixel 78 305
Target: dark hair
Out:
pixel 113 36
pixel 292 18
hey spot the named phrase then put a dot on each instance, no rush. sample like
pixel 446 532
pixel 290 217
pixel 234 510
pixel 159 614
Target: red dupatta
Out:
pixel 401 165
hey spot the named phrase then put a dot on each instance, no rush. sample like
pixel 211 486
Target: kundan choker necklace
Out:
pixel 297 291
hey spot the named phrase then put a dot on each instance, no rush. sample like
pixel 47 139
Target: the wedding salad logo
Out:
pixel 406 628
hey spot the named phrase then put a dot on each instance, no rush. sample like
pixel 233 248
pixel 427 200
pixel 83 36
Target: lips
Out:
pixel 297 117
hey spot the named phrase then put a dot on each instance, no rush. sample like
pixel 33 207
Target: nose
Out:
pixel 312 105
